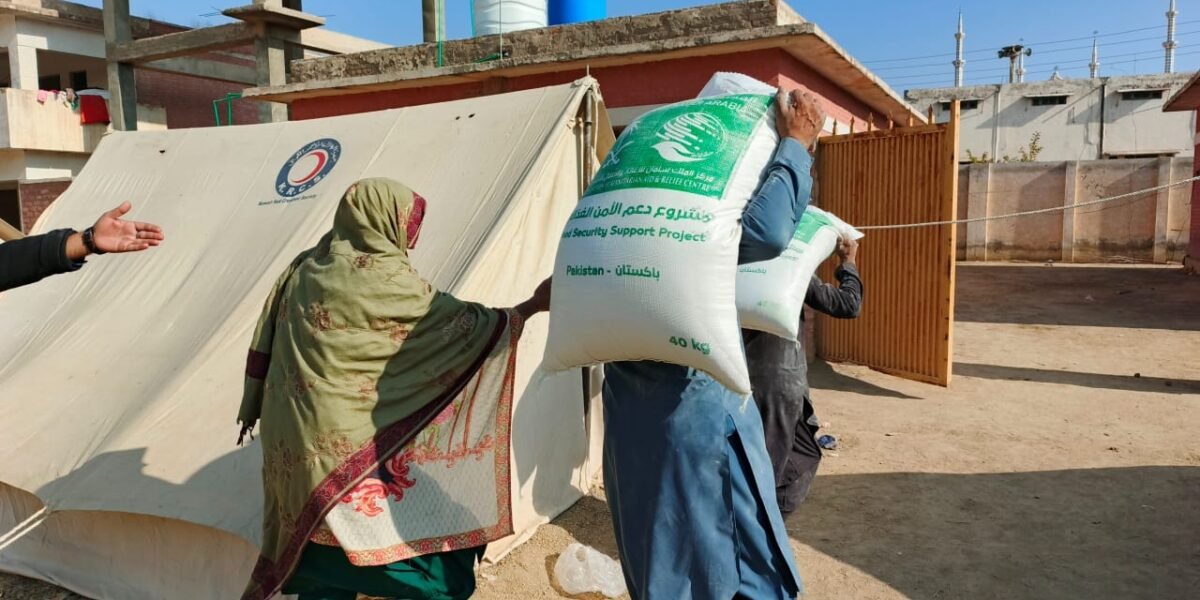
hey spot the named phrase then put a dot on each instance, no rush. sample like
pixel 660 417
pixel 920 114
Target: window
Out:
pixel 50 82
pixel 1142 95
pixel 1150 154
pixel 79 80
pixel 962 105
pixel 1048 100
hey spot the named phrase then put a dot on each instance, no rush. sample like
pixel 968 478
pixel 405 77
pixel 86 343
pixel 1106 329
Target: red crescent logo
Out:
pixel 322 157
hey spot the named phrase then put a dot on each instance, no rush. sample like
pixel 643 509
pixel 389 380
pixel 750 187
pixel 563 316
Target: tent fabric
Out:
pixel 119 384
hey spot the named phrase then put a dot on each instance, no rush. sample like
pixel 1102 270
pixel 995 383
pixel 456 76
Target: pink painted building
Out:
pixel 1188 98
pixel 641 62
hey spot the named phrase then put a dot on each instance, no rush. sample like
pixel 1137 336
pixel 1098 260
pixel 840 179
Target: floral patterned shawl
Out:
pixel 353 356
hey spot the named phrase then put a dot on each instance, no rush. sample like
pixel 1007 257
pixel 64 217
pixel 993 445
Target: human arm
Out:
pixel 31 259
pixel 772 214
pixel 770 218
pixel 845 300
pixel 537 303
pixel 258 359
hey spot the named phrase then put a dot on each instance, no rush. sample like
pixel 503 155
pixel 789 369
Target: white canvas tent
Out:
pixel 119 384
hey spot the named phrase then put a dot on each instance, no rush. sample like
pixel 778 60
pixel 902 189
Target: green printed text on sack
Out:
pixel 690 147
pixel 810 224
pixel 678 235
pixel 683 342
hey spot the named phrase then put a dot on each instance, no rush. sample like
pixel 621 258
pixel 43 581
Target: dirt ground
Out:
pixel 1062 462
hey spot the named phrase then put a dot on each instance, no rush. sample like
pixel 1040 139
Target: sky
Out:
pixel 909 43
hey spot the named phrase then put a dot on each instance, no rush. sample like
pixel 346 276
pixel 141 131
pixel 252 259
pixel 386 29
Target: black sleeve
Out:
pixel 842 302
pixel 30 259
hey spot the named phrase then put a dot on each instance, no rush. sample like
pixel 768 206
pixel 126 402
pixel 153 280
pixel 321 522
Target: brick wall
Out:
pixel 36 196
pixel 188 100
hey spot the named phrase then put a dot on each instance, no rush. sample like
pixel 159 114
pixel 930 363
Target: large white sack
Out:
pixel 770 294
pixel 646 266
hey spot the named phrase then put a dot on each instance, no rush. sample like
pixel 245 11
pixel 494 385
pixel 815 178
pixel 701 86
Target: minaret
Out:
pixel 1021 67
pixel 958 52
pixel 1170 45
pixel 1094 66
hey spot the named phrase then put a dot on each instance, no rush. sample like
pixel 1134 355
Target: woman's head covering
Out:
pixel 379 215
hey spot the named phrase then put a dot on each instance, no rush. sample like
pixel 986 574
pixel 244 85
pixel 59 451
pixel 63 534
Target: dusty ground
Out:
pixel 1049 469
pixel 1062 463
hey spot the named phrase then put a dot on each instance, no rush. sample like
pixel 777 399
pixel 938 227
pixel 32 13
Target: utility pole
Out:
pixel 1016 56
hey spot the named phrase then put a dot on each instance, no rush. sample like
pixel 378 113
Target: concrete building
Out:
pixel 170 77
pixel 51 45
pixel 641 62
pixel 1078 119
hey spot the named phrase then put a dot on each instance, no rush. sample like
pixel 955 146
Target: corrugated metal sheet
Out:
pixel 907 175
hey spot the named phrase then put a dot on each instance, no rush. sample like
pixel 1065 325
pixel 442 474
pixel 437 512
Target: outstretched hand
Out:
pixel 111 233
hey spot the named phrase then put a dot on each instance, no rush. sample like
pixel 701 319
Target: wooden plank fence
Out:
pixel 884 177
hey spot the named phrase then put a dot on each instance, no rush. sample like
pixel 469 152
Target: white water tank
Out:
pixel 503 16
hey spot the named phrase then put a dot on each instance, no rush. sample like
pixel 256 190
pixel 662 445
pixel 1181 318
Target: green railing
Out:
pixel 228 100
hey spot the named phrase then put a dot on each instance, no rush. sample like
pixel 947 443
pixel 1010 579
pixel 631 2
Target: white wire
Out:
pixel 1030 212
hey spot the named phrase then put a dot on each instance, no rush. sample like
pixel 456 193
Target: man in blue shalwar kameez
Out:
pixel 686 469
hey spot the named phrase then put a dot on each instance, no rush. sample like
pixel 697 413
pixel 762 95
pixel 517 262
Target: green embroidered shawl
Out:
pixel 352 341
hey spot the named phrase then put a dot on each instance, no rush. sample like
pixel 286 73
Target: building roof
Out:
pixel 1187 98
pixel 80 16
pixel 1057 87
pixel 708 30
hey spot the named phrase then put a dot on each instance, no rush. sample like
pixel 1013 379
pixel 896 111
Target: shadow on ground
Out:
pixel 1144 298
pixel 1093 534
pixel 821 376
pixel 1130 383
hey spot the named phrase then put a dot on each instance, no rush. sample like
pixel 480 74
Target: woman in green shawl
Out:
pixel 385 408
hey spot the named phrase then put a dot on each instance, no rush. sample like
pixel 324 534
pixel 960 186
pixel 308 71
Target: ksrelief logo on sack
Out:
pixel 690 137
pixel 690 147
pixel 307 167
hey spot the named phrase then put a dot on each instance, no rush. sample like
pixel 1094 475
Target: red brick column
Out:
pixel 36 196
pixel 1193 251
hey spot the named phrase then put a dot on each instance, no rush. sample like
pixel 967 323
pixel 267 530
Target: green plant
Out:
pixel 1035 148
pixel 977 159
pixel 1028 153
